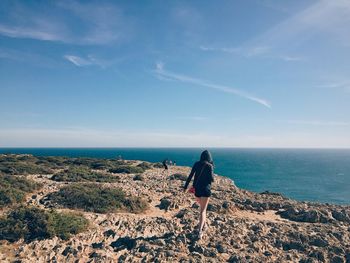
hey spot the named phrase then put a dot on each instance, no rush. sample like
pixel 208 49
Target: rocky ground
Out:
pixel 243 227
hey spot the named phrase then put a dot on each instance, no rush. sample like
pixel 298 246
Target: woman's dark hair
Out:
pixel 206 157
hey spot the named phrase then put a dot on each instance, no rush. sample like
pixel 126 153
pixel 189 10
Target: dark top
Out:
pixel 165 163
pixel 205 178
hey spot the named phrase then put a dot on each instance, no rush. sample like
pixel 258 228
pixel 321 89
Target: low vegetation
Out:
pixel 13 189
pixel 30 223
pixel 28 164
pixel 127 169
pixel 21 165
pixel 21 168
pixel 145 166
pixel 83 174
pixel 96 198
pixel 52 162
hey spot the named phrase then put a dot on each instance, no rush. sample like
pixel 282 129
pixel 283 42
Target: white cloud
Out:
pixel 159 66
pixel 27 32
pixel 221 49
pixel 102 23
pixel 323 17
pixel 78 61
pixel 258 51
pixel 292 58
pixel 202 83
pixel 88 61
pixel 341 85
pixel 327 18
pixel 27 57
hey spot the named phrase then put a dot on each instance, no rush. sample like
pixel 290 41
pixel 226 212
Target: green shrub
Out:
pixel 52 162
pixel 13 189
pixel 32 223
pixel 8 158
pixel 135 204
pixel 145 166
pixel 101 165
pixel 10 196
pixel 26 158
pixel 20 183
pixel 64 225
pixel 118 162
pixel 83 174
pixel 95 198
pixel 22 167
pixel 127 169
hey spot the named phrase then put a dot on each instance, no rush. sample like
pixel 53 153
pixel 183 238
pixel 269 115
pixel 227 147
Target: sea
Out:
pixel 321 175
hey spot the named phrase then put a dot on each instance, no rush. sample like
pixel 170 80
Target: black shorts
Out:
pixel 165 166
pixel 203 192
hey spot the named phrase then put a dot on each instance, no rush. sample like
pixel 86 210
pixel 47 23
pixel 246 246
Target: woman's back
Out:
pixel 203 174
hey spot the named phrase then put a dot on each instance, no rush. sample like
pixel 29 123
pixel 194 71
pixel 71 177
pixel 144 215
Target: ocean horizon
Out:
pixel 304 174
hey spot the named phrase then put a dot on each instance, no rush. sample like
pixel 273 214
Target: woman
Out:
pixel 203 177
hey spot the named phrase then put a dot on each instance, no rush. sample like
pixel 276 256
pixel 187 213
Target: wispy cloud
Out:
pixel 221 49
pixel 88 61
pixel 248 52
pixel 341 85
pixel 322 17
pixel 27 57
pixel 28 32
pixel 329 18
pixel 78 61
pixel 292 58
pixel 102 23
pixel 160 71
pixel 258 51
pixel 317 122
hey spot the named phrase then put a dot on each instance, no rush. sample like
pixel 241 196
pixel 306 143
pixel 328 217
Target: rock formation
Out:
pixel 242 227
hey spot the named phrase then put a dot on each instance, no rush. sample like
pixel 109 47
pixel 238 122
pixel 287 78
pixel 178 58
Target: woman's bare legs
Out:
pixel 203 202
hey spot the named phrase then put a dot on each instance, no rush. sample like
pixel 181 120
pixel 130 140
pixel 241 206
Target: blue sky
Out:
pixel 257 73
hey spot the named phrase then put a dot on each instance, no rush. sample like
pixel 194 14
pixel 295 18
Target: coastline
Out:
pixel 312 175
pixel 243 226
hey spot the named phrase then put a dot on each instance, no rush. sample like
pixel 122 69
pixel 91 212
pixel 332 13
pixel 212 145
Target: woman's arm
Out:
pixel 189 178
pixel 211 173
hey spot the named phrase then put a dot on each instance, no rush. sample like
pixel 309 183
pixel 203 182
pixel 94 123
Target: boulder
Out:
pixel 310 216
pixel 123 242
pixel 109 233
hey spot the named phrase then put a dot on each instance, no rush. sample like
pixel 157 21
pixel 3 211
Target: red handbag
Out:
pixel 192 190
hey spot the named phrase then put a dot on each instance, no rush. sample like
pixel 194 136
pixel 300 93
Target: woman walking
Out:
pixel 203 178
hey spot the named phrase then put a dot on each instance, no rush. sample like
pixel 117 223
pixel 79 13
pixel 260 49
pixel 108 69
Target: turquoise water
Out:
pixel 302 174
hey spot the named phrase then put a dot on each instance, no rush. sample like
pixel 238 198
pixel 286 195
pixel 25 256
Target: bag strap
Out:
pixel 200 174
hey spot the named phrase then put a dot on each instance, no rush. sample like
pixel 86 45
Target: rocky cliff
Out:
pixel 243 226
